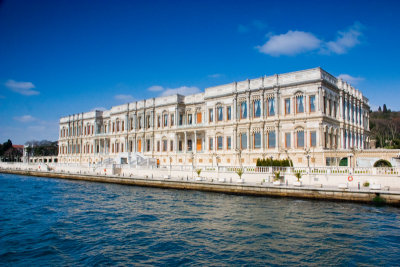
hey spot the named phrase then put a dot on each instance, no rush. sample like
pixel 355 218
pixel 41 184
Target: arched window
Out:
pixel 300 138
pixel 257 140
pixel 243 110
pixel 243 141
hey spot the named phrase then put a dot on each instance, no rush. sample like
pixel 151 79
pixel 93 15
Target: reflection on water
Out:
pixel 51 221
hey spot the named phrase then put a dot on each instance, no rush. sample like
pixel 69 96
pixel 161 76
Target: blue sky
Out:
pixel 64 57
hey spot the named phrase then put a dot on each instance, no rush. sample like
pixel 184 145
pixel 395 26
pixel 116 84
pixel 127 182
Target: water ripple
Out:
pixel 59 222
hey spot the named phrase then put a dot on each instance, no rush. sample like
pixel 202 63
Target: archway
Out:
pixel 382 163
pixel 344 162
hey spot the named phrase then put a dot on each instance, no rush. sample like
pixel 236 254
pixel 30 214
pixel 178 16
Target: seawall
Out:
pixel 307 192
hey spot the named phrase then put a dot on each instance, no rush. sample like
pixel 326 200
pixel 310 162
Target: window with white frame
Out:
pixel 243 110
pixel 257 140
pixel 257 108
pixel 271 107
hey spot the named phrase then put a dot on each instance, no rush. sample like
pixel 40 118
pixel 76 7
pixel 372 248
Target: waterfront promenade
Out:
pixel 316 183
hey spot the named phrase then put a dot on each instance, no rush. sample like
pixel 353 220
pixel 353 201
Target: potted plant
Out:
pixel 198 171
pixel 298 176
pixel 277 178
pixel 239 172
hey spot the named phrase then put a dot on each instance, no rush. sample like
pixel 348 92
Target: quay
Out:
pixel 316 191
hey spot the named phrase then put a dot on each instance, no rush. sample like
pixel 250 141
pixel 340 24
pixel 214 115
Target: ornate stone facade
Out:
pixel 273 116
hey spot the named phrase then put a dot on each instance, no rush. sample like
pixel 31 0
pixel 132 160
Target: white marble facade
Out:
pixel 272 116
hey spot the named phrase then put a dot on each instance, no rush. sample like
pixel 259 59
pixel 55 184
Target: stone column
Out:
pixel 262 139
pixel 277 139
pixel 195 142
pixel 234 110
pixel 176 143
pixel 262 105
pixel 185 144
pixel 234 139
pixel 248 139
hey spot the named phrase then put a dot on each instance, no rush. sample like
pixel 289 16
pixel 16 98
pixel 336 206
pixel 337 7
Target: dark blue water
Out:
pixel 59 222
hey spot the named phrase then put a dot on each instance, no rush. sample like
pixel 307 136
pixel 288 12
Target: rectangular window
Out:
pixel 300 139
pixel 189 119
pixel 171 145
pixel 210 115
pixel 190 147
pixel 257 108
pixel 165 120
pixel 140 123
pixel 312 103
pixel 228 142
pixel 199 144
pixel 158 121
pixel 220 141
pixel 299 104
pixel 287 140
pixel 271 139
pixel 287 106
pixel 228 113
pixel 198 117
pixel 271 108
pixel 210 143
pixel 243 110
pixel 165 145
pixel 220 114
pixel 243 141
pixel 172 119
pixel 257 140
pixel 180 119
pixel 158 146
pixel 147 145
pixel 313 139
pixel 147 122
pixel 180 145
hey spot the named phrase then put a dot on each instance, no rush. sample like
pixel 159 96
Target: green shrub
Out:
pixel 382 163
pixel 366 184
pixel 239 172
pixel 298 175
pixel 274 162
pixel 198 171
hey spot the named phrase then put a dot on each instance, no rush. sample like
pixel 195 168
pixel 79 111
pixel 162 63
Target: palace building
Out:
pixel 308 112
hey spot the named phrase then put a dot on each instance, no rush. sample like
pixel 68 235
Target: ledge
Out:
pixel 330 194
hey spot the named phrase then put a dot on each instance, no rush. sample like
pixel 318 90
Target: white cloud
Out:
pixel 124 98
pixel 346 39
pixel 23 88
pixel 183 90
pixel 290 43
pixel 216 75
pixel 25 118
pixel 297 42
pixel 155 88
pixel 350 79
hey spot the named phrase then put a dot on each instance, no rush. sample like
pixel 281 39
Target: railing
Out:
pixel 382 171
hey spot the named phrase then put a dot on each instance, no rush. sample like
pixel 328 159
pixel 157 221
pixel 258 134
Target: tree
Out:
pixel 385 108
pixel 379 109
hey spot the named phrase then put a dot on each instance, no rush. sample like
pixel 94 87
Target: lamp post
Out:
pixel 170 166
pixel 239 151
pixel 307 152
pixel 192 157
pixel 217 159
